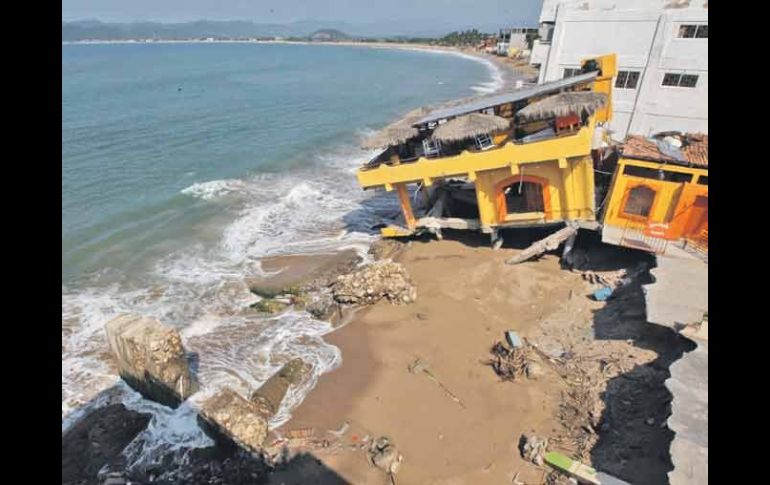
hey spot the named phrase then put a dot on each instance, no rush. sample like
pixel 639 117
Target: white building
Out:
pixel 662 48
pixel 515 38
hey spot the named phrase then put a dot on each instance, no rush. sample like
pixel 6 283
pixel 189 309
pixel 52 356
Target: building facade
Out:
pixel 513 39
pixel 662 49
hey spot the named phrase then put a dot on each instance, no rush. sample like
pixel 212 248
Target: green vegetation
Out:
pixel 465 38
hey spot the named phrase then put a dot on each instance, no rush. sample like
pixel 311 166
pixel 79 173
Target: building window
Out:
pixel 639 201
pixel 693 31
pixel 627 79
pixel 680 80
pixel 569 72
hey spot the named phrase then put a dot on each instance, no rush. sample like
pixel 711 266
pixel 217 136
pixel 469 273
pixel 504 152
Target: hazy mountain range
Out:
pixel 98 30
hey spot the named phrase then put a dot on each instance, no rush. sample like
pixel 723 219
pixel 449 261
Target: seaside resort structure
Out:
pixel 535 157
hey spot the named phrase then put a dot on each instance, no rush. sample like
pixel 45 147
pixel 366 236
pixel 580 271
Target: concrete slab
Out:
pixel 689 418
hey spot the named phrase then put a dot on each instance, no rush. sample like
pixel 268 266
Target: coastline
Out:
pixel 510 69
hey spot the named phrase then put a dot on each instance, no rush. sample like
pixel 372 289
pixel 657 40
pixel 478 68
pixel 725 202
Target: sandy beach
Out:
pixel 467 299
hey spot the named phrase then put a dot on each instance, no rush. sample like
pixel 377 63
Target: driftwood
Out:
pixel 546 244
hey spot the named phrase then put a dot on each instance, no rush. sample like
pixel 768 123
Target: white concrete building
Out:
pixel 662 48
pixel 515 38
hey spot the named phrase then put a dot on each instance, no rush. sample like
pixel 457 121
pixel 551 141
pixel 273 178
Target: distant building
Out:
pixel 515 39
pixel 662 48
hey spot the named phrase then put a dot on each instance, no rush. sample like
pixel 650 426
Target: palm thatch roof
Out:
pixel 468 126
pixel 562 104
pixel 396 132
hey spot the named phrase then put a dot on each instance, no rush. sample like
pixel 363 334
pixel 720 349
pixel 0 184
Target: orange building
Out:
pixel 659 194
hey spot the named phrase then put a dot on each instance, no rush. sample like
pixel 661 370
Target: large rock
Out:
pixel 227 417
pixel 96 440
pixel 151 358
pixel 269 396
pixel 382 279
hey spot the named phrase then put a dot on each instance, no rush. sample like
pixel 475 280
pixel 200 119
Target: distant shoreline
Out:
pixel 512 70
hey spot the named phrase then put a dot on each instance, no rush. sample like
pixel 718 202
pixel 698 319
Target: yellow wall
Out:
pixel 563 162
pixel 670 197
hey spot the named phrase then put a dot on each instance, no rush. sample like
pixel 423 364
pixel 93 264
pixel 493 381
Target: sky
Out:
pixel 451 14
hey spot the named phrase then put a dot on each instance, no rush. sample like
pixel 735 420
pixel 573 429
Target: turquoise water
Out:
pixel 140 123
pixel 183 164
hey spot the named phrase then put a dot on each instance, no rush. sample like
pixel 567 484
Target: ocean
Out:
pixel 183 164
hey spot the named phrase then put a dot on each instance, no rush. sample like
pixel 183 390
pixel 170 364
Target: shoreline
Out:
pixel 514 69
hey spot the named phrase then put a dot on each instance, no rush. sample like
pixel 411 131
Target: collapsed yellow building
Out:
pixel 518 159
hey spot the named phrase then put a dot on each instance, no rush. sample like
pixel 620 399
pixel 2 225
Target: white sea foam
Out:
pixel 213 189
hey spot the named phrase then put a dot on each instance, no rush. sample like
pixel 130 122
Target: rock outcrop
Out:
pixel 227 417
pixel 382 279
pixel 151 358
pixel 96 440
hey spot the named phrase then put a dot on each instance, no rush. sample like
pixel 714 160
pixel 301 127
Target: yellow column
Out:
pixel 406 204
pixel 485 198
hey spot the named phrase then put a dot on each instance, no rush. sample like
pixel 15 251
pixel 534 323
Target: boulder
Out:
pixel 97 439
pixel 269 396
pixel 151 358
pixel 382 279
pixel 228 418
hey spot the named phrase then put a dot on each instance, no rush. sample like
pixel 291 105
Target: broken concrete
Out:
pixel 228 418
pixel 151 358
pixel 678 299
pixel 689 417
pixel 374 282
pixel 269 396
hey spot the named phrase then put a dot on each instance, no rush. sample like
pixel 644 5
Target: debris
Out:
pixel 513 339
pixel 419 366
pixel 583 473
pixel 300 434
pixel 534 370
pixel 343 429
pixel 509 363
pixel 533 448
pixel 385 456
pixel 547 244
pixel 603 293
pixel 650 421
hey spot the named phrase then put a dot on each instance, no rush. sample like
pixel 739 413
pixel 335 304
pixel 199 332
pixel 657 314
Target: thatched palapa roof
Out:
pixel 468 126
pixel 562 104
pixel 397 132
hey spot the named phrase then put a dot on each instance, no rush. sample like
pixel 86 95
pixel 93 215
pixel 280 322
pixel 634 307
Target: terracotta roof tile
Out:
pixel 694 149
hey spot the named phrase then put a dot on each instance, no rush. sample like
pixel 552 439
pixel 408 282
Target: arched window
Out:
pixel 523 197
pixel 639 201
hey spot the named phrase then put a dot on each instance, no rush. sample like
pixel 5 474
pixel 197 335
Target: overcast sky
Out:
pixel 446 13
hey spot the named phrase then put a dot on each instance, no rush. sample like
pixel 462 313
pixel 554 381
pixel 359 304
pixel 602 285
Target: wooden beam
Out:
pixel 449 223
pixel 546 244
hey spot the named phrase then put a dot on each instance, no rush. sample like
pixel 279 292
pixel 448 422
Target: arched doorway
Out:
pixel 522 194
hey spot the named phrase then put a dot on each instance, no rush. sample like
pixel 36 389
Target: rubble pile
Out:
pixel 382 279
